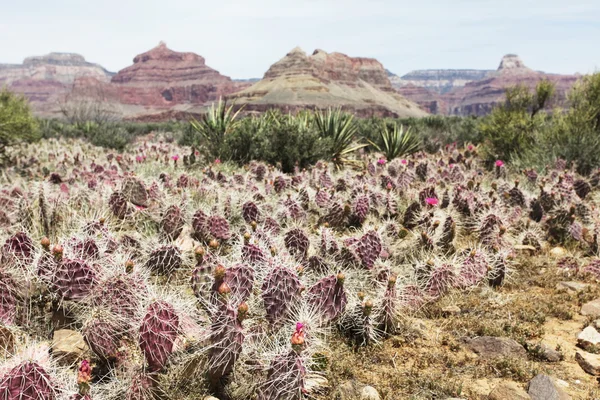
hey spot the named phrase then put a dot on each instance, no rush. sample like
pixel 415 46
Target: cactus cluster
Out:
pixel 350 251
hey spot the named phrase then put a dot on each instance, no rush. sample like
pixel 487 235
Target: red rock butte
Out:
pixel 323 80
pixel 161 81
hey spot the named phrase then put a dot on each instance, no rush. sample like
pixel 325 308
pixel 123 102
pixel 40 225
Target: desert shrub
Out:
pixel 572 134
pixel 17 124
pixel 340 129
pixel 289 142
pixel 213 126
pixel 112 136
pixel 577 132
pixel 512 127
pixel 395 141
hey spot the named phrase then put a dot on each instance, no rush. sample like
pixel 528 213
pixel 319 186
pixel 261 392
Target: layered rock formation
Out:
pixel 323 80
pixel 160 80
pixel 44 80
pixel 478 96
pixel 438 80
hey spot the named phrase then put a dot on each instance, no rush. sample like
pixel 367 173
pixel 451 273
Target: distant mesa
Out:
pixel 44 80
pixel 323 80
pixel 163 83
pixel 474 92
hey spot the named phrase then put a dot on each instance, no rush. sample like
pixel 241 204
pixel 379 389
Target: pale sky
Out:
pixel 242 39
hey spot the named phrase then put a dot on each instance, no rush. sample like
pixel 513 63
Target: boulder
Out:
pixel 572 286
pixel 369 393
pixel 508 390
pixel 591 308
pixel 542 387
pixel 493 347
pixel 590 363
pixel 68 347
pixel 589 339
pixel 353 390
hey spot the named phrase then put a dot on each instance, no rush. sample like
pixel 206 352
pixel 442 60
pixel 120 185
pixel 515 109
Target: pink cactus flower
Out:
pixel 499 163
pixel 389 186
pixel 139 159
pixel 298 337
pixel 381 161
pixel 175 157
pixel 217 161
pixel 403 162
pixel 432 201
pixel 470 147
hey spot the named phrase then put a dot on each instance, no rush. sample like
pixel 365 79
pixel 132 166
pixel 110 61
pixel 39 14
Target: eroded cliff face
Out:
pixel 45 80
pixel 323 80
pixel 438 80
pixel 478 96
pixel 159 80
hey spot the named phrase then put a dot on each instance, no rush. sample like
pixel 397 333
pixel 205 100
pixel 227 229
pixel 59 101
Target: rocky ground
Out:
pixel 535 338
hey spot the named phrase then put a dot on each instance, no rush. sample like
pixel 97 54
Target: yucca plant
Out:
pixel 340 128
pixel 396 142
pixel 213 126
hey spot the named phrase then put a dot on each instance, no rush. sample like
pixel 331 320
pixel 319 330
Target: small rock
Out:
pixel 493 347
pixel 549 354
pixel 544 352
pixel 542 387
pixel 508 390
pixel 315 383
pixel 353 390
pixel 7 342
pixel 68 346
pixel 210 398
pixel 558 252
pixel 591 308
pixel 590 363
pixel 589 339
pixel 450 310
pixel 349 390
pixel 369 393
pixel 572 286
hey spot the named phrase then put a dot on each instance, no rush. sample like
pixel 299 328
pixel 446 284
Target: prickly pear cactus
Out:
pixel 103 337
pixel 118 205
pixel 286 375
pixel 201 230
pixel 27 381
pixel 18 249
pixel 328 296
pixel 280 290
pixel 135 192
pixel 8 299
pixel 121 294
pixel 297 243
pixel 219 227
pixel 369 248
pixel 164 260
pixel 358 324
pixel 252 254
pixel 226 338
pixel 250 212
pixel 73 279
pixel 172 223
pixel 158 332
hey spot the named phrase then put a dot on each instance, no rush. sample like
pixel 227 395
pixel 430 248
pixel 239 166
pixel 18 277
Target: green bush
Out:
pixel 396 142
pixel 17 124
pixel 290 142
pixel 512 127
